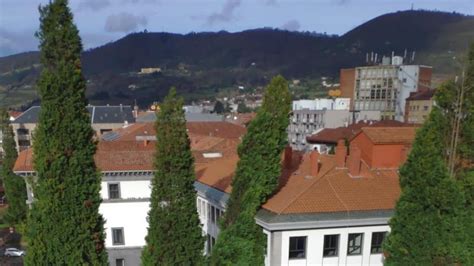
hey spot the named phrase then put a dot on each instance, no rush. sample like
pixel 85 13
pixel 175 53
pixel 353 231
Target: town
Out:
pixel 375 168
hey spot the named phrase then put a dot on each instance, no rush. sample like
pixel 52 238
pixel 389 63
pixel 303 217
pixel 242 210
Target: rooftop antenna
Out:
pixel 413 57
pixel 405 54
pixel 412 6
pixel 366 58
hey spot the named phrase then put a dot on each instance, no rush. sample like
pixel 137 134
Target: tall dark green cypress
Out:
pixel 241 241
pixel 427 227
pixel 15 188
pixel 64 226
pixel 174 231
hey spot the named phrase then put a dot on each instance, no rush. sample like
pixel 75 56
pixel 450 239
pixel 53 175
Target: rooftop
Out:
pixel 390 135
pixel 421 96
pixel 99 115
pixel 332 135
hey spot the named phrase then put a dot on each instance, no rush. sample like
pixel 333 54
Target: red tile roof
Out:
pixel 332 135
pixel 390 135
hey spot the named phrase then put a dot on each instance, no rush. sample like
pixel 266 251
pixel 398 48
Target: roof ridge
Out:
pixel 337 196
pixel 306 189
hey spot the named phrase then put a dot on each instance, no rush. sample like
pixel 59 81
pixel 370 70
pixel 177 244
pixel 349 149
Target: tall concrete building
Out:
pixel 309 116
pixel 384 87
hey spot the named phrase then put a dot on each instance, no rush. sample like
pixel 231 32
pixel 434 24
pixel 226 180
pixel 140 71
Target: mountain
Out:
pixel 203 64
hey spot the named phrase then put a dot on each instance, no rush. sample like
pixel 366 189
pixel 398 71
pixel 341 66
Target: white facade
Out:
pixel 321 104
pixel 315 246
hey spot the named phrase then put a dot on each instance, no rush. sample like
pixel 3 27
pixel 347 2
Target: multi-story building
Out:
pixel 384 87
pixel 103 120
pixel 328 209
pixel 309 116
pixel 418 106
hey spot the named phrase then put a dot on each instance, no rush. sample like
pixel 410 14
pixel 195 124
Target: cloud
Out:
pixel 15 42
pixel 124 22
pixel 226 14
pixel 93 5
pixel 291 25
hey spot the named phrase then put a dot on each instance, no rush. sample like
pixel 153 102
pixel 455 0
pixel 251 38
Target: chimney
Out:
pixel 314 161
pixel 341 152
pixel 288 157
pixel 353 161
pixel 145 142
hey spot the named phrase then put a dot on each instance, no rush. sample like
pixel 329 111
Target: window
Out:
pixel 377 239
pixel 119 262
pixel 117 236
pixel 211 241
pixel 425 108
pixel 213 214
pixel 114 191
pixel 23 131
pixel 103 131
pixel 354 245
pixel 331 243
pixel 297 247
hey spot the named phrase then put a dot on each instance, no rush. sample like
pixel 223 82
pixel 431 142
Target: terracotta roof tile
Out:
pixel 392 135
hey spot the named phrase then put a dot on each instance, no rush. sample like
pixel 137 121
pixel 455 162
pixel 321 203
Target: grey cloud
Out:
pixel 226 14
pixel 93 4
pixel 124 22
pixel 15 42
pixel 291 25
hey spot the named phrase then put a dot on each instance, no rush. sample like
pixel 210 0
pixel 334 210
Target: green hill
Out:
pixel 202 64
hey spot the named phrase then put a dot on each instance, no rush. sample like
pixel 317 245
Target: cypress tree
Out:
pixel 174 232
pixel 15 188
pixel 427 225
pixel 64 226
pixel 241 241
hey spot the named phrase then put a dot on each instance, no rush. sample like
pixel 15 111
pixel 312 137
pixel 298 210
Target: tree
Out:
pixel 241 241
pixel 219 107
pixel 427 224
pixel 242 108
pixel 174 231
pixel 15 188
pixel 64 226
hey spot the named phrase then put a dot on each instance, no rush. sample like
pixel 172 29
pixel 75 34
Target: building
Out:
pixel 103 119
pixel 418 106
pixel 150 116
pixel 384 87
pixel 320 104
pixel 326 139
pixel 125 159
pixel 309 116
pixel 328 209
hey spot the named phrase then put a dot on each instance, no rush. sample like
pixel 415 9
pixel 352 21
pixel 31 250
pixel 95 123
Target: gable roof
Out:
pixel 99 115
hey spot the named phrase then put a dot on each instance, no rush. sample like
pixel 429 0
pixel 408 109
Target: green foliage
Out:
pixel 15 187
pixel 427 225
pixel 174 232
pixel 241 241
pixel 219 107
pixel 242 108
pixel 64 225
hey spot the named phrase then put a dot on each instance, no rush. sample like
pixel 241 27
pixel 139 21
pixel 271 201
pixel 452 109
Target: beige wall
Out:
pixel 418 110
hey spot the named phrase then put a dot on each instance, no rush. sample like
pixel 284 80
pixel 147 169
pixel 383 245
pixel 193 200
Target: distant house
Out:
pixel 150 70
pixel 103 119
pixel 418 106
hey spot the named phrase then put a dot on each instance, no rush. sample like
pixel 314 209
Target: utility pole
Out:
pixel 457 123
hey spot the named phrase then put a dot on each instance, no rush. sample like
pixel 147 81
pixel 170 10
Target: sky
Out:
pixel 103 21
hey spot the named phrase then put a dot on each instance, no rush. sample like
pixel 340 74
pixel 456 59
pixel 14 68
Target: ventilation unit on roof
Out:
pixel 212 155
